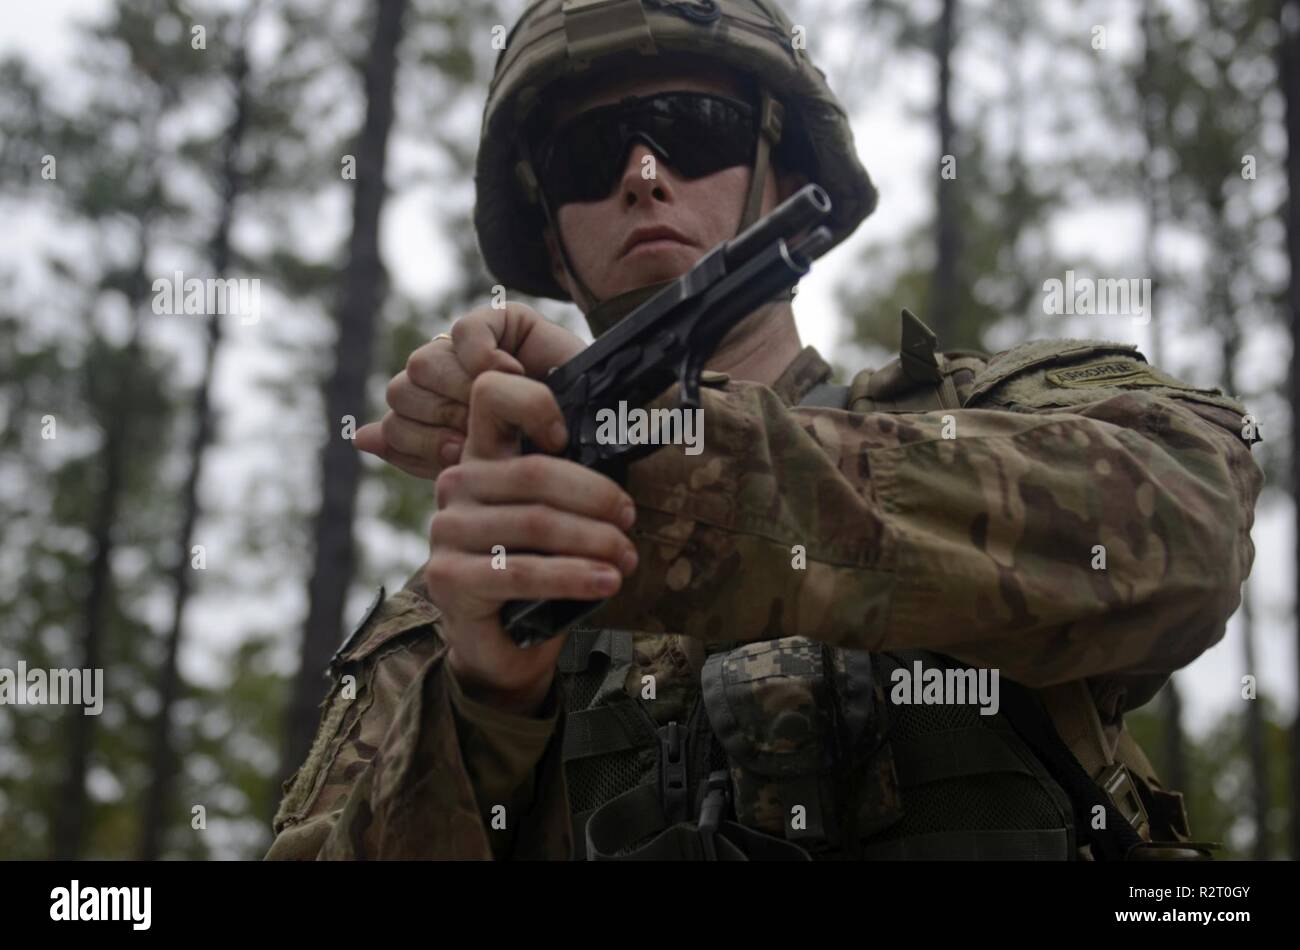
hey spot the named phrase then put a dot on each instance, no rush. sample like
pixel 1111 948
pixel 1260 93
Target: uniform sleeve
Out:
pixel 1084 514
pixel 417 798
pixel 403 765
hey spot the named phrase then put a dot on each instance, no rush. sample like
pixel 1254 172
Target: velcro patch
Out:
pixel 1111 372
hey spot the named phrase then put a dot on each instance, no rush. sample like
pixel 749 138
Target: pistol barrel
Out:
pixel 806 207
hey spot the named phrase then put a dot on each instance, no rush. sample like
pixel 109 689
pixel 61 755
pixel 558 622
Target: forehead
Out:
pixel 645 79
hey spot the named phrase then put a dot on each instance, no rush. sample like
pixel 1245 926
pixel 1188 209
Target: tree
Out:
pixel 360 295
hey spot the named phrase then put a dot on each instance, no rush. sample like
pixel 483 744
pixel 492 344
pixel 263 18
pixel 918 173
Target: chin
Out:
pixel 653 268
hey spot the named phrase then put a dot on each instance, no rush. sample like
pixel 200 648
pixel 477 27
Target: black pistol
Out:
pixel 668 339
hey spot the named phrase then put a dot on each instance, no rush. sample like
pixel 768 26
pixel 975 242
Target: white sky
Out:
pixel 899 151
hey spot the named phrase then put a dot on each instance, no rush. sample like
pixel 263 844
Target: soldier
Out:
pixel 795 657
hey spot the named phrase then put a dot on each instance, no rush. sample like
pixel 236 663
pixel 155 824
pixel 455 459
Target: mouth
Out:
pixel 649 239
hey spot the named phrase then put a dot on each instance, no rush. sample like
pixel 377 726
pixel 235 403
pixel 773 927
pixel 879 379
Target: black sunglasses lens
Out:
pixel 700 135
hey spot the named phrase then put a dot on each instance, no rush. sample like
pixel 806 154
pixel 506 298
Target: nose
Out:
pixel 644 178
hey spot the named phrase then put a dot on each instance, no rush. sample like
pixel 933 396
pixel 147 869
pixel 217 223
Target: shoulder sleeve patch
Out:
pixel 1048 374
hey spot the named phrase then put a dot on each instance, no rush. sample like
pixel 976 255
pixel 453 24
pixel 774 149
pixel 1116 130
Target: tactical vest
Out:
pixel 832 771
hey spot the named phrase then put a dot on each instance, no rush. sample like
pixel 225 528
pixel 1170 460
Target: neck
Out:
pixel 761 346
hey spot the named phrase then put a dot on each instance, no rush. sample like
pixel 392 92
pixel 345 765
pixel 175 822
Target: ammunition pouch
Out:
pixel 803 728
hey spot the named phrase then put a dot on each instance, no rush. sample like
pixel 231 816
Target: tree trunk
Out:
pixel 345 391
pixel 161 754
pixel 944 292
pixel 1289 73
pixel 1149 110
pixel 1260 785
pixel 71 819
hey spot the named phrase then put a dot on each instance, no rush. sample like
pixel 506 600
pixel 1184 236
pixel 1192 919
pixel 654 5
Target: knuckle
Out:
pixel 439 577
pixel 484 383
pixel 448 485
pixel 534 523
pixel 417 362
pixel 531 472
pixel 442 528
pixel 393 391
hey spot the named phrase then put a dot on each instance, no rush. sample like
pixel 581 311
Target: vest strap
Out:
pixel 599 731
pixel 827 396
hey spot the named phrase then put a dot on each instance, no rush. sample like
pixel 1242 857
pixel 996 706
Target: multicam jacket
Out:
pixel 1062 512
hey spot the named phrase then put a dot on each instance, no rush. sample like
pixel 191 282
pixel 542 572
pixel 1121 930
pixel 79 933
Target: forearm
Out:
pixel 875 531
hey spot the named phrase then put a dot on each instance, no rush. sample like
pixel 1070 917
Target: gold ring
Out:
pixel 442 336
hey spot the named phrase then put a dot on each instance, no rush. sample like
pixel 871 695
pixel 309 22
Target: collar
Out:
pixel 805 371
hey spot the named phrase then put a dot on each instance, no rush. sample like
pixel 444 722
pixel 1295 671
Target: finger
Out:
pixel 484 339
pixel 435 368
pixel 406 398
pixel 369 438
pixel 419 441
pixel 524 577
pixel 538 528
pixel 536 343
pixel 501 405
pixel 538 479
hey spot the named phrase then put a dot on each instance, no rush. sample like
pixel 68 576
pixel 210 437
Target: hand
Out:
pixel 574 517
pixel 424 431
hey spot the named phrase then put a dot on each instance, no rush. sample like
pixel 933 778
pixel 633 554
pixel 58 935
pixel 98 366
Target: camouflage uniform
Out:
pixel 947 510
pixel 978 547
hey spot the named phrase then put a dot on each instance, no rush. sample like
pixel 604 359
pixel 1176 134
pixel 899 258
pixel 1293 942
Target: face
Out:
pixel 646 231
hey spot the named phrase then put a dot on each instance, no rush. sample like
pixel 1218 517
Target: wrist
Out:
pixel 525 699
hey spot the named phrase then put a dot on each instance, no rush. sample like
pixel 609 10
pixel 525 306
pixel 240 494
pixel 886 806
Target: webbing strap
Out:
pixel 598 731
pixel 975 750
pixel 827 395
pixel 575 656
pixel 1052 844
pixel 771 119
pixel 1075 716
pixel 1028 717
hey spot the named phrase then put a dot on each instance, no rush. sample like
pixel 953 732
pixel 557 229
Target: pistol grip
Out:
pixel 532 621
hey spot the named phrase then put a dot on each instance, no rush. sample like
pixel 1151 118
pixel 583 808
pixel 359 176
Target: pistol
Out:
pixel 668 339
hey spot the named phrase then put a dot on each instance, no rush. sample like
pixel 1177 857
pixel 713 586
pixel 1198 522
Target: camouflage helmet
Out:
pixel 554 40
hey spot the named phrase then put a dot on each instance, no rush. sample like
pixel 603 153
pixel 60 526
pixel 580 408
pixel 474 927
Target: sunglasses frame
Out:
pixel 542 154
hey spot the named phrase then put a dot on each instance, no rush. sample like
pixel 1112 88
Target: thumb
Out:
pixel 370 438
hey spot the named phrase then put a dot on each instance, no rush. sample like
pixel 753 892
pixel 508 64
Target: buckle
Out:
pixel 1123 794
pixel 714 804
pixel 672 773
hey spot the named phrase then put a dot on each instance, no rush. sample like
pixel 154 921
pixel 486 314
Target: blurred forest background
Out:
pixel 203 530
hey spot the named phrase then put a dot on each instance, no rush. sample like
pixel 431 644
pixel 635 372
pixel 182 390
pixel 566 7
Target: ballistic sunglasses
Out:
pixel 696 133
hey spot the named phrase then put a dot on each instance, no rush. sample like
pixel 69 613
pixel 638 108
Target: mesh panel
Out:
pixel 911 722
pixel 976 803
pixel 594 781
pixel 581 688
pixel 990 802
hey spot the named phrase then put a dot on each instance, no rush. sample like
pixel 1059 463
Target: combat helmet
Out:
pixel 555 40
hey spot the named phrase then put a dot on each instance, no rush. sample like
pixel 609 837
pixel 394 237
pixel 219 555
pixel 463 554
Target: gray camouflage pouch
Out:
pixel 804 729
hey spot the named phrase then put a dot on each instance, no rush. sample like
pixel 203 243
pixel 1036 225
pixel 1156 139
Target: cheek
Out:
pixel 718 201
pixel 584 227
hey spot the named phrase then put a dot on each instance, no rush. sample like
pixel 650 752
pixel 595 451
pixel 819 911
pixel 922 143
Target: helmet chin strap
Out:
pixel 603 314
